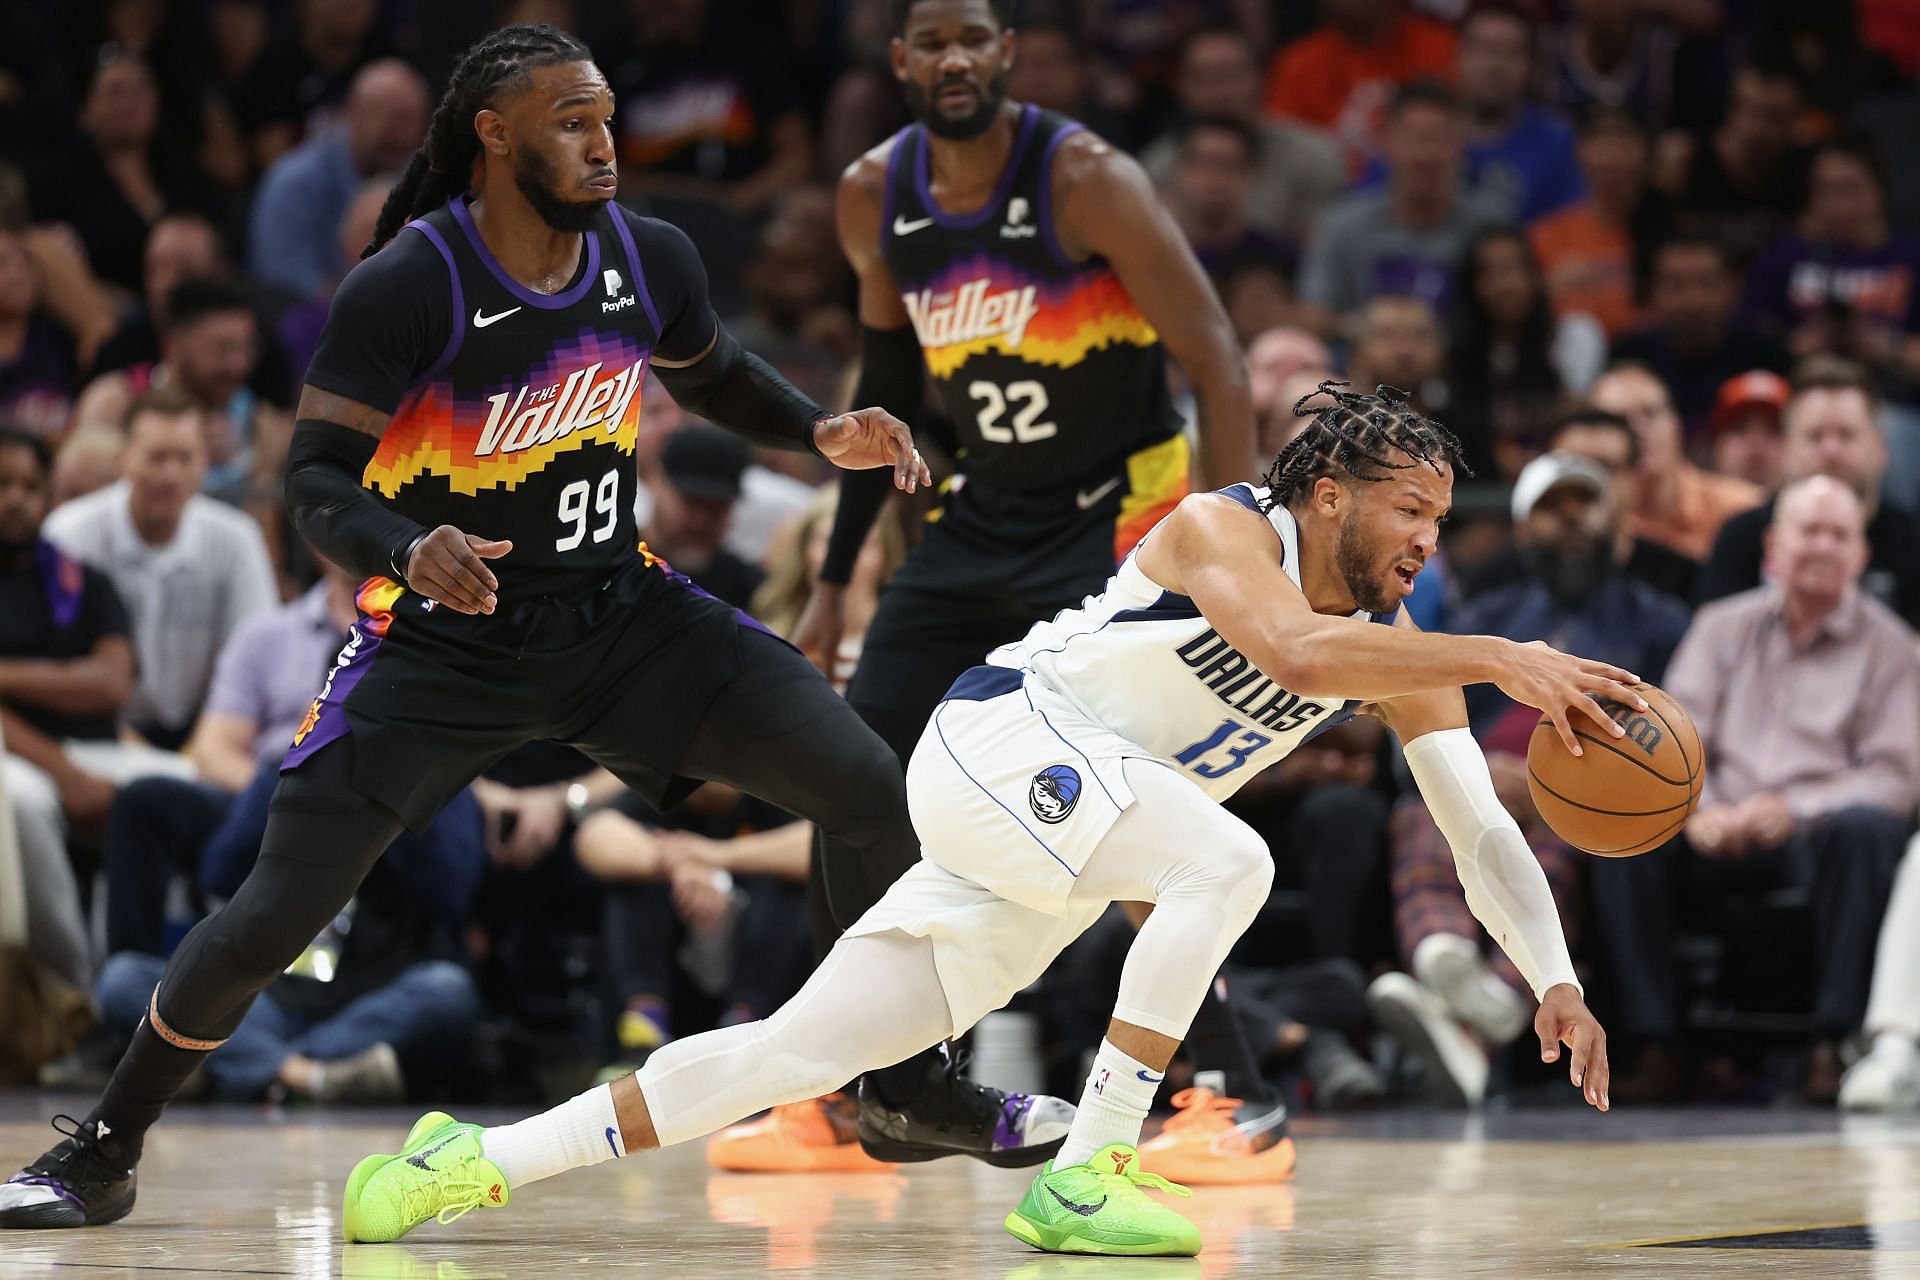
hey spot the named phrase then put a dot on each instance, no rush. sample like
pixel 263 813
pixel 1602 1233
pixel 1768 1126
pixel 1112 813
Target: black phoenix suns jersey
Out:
pixel 1047 368
pixel 514 412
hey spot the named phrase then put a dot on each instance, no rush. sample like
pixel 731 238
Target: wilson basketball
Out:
pixel 1624 795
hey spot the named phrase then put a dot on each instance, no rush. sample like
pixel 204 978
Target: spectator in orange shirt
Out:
pixel 1588 249
pixel 1341 75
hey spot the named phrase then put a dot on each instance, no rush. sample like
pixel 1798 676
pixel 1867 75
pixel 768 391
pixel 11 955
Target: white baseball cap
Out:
pixel 1548 472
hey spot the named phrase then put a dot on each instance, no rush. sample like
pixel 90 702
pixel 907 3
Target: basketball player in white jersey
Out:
pixel 1084 765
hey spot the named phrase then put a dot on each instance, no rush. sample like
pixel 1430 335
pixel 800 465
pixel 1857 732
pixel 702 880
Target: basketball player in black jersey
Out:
pixel 1029 268
pixel 466 442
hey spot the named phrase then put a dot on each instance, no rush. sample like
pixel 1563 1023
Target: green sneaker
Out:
pixel 439 1173
pixel 1099 1207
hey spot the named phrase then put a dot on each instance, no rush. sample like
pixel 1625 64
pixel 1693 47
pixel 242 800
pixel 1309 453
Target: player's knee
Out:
pixel 1244 871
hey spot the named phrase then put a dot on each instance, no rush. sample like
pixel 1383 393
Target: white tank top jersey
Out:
pixel 1141 660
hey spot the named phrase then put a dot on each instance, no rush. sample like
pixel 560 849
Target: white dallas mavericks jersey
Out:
pixel 1141 661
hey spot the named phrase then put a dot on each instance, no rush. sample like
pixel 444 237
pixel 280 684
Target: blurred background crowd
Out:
pixel 1653 261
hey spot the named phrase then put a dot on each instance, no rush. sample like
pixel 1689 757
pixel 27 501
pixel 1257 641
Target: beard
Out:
pixel 1357 558
pixel 1572 574
pixel 972 125
pixel 536 179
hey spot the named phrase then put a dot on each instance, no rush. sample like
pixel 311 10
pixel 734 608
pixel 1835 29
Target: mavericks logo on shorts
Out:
pixel 1053 793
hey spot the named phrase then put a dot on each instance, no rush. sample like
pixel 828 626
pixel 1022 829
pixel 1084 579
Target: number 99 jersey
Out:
pixel 515 413
pixel 1050 373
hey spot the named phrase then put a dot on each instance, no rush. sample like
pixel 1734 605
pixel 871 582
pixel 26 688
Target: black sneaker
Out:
pixel 74 1185
pixel 950 1115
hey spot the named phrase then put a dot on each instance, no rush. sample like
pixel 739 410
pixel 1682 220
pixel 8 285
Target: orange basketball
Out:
pixel 1623 795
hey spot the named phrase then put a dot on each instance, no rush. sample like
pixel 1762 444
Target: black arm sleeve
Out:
pixel 344 521
pixel 741 392
pixel 891 376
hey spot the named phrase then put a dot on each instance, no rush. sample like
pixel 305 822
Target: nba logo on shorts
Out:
pixel 1053 793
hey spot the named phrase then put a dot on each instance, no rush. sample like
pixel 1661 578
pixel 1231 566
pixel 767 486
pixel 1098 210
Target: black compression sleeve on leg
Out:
pixel 892 376
pixel 738 390
pixel 1215 1042
pixel 343 520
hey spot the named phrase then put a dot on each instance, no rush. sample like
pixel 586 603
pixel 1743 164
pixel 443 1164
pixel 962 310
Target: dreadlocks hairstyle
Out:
pixel 442 168
pixel 1357 435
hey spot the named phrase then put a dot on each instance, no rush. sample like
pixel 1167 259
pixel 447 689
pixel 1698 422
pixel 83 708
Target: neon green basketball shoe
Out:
pixel 1099 1207
pixel 441 1172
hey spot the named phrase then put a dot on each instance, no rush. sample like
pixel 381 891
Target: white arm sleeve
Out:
pixel 1506 890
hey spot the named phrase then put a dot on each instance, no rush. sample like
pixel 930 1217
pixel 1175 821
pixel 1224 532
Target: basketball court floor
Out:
pixel 251 1192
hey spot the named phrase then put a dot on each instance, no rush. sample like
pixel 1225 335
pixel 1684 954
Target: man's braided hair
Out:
pixel 443 167
pixel 1357 435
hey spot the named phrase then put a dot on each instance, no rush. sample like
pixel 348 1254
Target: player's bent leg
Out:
pixel 321 838
pixel 875 999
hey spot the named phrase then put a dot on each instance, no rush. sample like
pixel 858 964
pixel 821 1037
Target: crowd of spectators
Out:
pixel 1654 261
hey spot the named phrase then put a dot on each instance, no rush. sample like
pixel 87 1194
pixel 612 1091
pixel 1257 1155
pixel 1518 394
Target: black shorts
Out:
pixel 433 698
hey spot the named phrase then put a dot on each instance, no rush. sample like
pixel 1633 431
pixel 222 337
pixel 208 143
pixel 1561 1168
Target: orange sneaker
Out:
pixel 820 1135
pixel 1209 1143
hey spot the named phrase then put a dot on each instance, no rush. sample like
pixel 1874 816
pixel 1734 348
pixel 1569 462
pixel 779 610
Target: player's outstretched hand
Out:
pixel 864 438
pixel 451 567
pixel 1565 1018
pixel 823 622
pixel 1565 686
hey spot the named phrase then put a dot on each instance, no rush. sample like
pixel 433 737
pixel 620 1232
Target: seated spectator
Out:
pixel 1673 502
pixel 66 669
pixel 300 326
pixel 1577 597
pixel 190 569
pixel 1810 786
pixel 1408 236
pixel 378 1004
pixel 794 566
pixel 1273 358
pixel 1610 55
pixel 1693 340
pixel 294 233
pixel 1844 284
pixel 1297 171
pixel 1742 183
pixel 1341 76
pixel 1397 342
pixel 122 177
pixel 863 106
pixel 1744 433
pixel 1608 441
pixel 1052 72
pixel 36 354
pixel 294 89
pixel 1831 430
pixel 1512 364
pixel 1520 157
pixel 1887 1077
pixel 1257 292
pixel 700 469
pixel 1591 251
pixel 183 247
pixel 799 282
pixel 1210 196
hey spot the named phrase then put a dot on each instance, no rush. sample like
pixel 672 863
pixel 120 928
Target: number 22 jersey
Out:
pixel 515 413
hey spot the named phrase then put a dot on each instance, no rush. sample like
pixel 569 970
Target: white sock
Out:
pixel 580 1131
pixel 1893 1044
pixel 1113 1107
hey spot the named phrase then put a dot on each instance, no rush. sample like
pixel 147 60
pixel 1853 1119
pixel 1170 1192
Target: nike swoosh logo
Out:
pixel 1084 1210
pixel 419 1158
pixel 1149 1077
pixel 901 227
pixel 481 322
pixel 1086 498
pixel 614 1146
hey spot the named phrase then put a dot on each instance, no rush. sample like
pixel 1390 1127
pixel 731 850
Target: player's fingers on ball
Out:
pixel 1564 727
pixel 1595 712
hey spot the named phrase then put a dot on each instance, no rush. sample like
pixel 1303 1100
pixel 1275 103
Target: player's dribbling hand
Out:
pixel 1564 1017
pixel 450 566
pixel 1564 687
pixel 863 438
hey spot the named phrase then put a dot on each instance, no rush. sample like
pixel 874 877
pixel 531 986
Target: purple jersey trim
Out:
pixel 1046 195
pixel 967 221
pixel 746 619
pixel 545 301
pixel 459 329
pixel 625 233
pixel 330 709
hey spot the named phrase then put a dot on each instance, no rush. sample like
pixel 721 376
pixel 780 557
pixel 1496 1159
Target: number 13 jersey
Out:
pixel 1047 368
pixel 515 413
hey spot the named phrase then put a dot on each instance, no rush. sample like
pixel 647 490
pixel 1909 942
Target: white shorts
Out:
pixel 1010 793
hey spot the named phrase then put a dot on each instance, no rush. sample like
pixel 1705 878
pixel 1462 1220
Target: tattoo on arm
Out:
pixel 328 407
